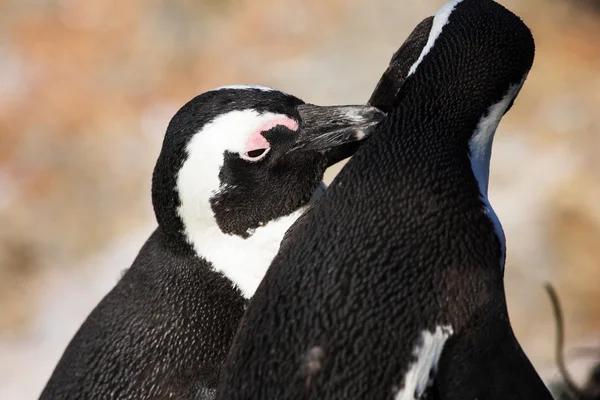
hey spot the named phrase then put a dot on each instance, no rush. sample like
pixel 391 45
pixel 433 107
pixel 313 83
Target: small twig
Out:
pixel 575 392
pixel 583 351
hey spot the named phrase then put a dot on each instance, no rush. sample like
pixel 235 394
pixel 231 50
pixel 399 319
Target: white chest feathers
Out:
pixel 480 147
pixel 421 372
pixel 244 261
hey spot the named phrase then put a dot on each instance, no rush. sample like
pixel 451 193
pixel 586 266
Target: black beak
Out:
pixel 335 130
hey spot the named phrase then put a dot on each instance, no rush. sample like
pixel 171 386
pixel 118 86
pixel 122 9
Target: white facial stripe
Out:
pixel 198 179
pixel 480 147
pixel 427 352
pixel 480 144
pixel 246 87
pixel 439 21
pixel 244 261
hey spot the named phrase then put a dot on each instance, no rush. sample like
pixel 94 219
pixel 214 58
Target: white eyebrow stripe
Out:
pixel 439 21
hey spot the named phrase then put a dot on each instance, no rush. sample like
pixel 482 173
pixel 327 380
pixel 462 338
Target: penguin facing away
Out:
pixel 238 165
pixel 391 286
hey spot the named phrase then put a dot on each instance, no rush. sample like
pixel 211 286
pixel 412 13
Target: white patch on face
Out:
pixel 246 87
pixel 439 21
pixel 244 261
pixel 428 352
pixel 480 147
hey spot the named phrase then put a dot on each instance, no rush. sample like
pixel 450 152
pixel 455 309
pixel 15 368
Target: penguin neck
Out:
pixel 244 260
pixel 467 137
pixel 480 153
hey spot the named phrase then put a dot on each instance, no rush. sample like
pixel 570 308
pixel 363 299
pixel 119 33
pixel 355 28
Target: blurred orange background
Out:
pixel 87 89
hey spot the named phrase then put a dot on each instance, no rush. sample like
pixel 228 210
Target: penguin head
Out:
pixel 471 68
pixel 474 58
pixel 237 159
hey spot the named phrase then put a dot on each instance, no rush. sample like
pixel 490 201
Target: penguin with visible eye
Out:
pixel 398 293
pixel 238 165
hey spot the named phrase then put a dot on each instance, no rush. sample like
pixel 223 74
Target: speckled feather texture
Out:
pixel 164 331
pixel 150 337
pixel 400 245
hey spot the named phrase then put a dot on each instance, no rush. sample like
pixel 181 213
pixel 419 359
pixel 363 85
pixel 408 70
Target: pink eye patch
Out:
pixel 257 142
pixel 283 120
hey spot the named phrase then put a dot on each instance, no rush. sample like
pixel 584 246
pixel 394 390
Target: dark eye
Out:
pixel 255 155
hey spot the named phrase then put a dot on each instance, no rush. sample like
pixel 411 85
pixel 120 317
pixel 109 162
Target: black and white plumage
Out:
pixel 391 286
pixel 238 165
